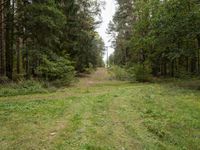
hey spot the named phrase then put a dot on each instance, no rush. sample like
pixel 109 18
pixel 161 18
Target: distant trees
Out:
pixel 122 24
pixel 164 35
pixel 80 27
pixel 38 37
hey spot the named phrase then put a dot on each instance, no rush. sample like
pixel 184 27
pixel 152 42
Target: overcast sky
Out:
pixel 107 15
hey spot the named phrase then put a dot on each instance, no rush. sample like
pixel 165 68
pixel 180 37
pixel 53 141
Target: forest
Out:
pixel 162 37
pixel 49 40
pixel 63 88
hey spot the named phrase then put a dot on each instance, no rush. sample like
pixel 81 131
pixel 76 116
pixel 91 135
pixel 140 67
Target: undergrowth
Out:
pixel 23 88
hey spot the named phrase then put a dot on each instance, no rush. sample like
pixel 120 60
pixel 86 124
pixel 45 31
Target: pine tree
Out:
pixel 164 36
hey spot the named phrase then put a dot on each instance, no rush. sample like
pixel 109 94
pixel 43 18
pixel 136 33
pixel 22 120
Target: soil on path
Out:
pixel 101 75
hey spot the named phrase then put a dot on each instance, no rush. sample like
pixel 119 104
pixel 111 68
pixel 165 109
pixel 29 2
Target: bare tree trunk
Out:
pixel 18 56
pixel 165 68
pixel 27 65
pixel 193 62
pixel 172 68
pixel 187 64
pixel 18 41
pixel 2 55
pixel 9 37
pixel 198 53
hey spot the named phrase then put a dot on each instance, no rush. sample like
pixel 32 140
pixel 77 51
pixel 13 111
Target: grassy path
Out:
pixel 98 114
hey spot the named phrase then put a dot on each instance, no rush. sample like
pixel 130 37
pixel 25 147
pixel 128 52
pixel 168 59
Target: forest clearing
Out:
pixel 100 74
pixel 102 114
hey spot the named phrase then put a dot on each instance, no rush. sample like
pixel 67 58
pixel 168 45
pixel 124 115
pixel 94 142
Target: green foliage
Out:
pixel 80 39
pixel 140 73
pixel 137 72
pixel 90 69
pixel 183 74
pixel 118 73
pixel 4 80
pixel 22 88
pixel 38 31
pixel 164 33
pixel 59 68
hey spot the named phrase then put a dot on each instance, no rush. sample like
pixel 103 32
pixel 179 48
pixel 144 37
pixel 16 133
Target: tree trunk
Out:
pixel 18 56
pixel 165 69
pixel 18 40
pixel 172 68
pixel 9 38
pixel 193 65
pixel 187 64
pixel 2 52
pixel 198 53
pixel 27 65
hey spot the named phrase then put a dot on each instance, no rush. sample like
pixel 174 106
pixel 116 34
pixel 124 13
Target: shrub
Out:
pixel 119 73
pixel 22 88
pixel 182 74
pixel 57 70
pixel 142 73
pixel 131 74
pixel 89 69
pixel 18 77
pixel 4 80
pixel 137 72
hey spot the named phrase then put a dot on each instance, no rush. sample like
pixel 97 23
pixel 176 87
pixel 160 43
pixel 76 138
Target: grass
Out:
pixel 103 115
pixel 22 88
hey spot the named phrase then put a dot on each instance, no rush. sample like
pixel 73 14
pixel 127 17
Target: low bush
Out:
pixel 59 70
pixel 89 69
pixel 4 80
pixel 22 88
pixel 137 72
pixel 182 74
pixel 118 73
pixel 140 73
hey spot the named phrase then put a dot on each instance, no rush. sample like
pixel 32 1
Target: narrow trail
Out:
pixel 101 75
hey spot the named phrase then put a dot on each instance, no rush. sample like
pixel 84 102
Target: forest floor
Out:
pixel 102 114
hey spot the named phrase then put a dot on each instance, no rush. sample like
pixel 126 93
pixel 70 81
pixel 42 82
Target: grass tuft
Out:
pixel 22 88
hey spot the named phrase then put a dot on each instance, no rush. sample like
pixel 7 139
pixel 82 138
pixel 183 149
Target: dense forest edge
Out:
pixel 154 38
pixel 49 41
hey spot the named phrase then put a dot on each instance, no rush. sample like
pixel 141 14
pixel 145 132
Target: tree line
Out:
pixel 161 35
pixel 49 39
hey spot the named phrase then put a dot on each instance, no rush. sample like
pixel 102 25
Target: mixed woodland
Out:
pixel 157 37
